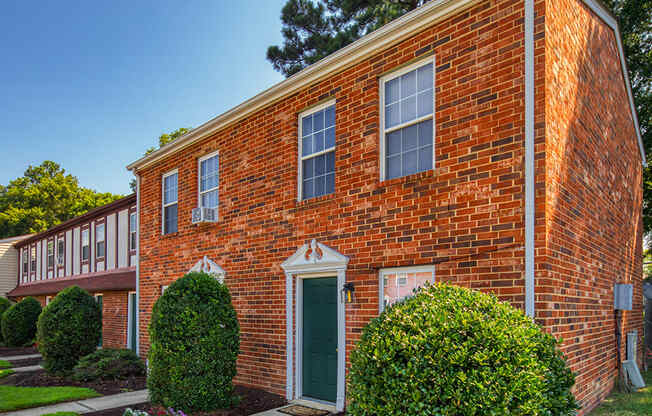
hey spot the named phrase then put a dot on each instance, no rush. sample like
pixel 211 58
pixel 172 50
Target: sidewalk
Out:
pixel 88 405
pixel 19 357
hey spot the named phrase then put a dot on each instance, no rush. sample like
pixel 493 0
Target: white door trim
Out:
pixel 311 261
pixel 130 305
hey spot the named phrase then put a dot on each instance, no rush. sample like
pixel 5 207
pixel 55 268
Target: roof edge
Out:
pixel 391 33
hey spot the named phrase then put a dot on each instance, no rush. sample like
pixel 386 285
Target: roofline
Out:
pixel 391 33
pixel 15 238
pixel 127 200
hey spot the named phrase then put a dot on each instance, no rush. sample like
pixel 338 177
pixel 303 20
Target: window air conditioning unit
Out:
pixel 202 214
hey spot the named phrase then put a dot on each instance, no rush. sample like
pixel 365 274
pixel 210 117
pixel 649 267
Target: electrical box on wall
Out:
pixel 623 293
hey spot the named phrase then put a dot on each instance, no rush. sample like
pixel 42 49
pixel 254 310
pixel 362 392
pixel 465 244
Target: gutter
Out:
pixel 137 323
pixel 529 159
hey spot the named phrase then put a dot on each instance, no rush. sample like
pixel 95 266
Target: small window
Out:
pixel 399 283
pixel 50 254
pixel 407 140
pixel 170 184
pixel 209 181
pixel 25 263
pixel 61 251
pixel 32 259
pixel 86 247
pixel 100 245
pixel 317 152
pixel 132 232
pixel 48 299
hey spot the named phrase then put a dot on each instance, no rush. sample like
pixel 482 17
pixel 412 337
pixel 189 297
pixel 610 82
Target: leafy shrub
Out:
pixel 69 328
pixel 4 305
pixel 453 351
pixel 109 364
pixel 19 322
pixel 195 340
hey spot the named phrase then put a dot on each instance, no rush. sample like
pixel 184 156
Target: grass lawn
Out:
pixel 624 404
pixel 4 364
pixel 5 373
pixel 13 398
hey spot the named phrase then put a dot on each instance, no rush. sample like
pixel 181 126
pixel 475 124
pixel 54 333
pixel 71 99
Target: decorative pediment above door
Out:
pixel 208 266
pixel 317 256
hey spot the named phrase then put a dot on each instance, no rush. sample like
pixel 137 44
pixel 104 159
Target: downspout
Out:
pixel 137 323
pixel 529 158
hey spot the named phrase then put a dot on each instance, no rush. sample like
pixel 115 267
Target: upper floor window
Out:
pixel 317 151
pixel 100 246
pixel 209 179
pixel 25 262
pixel 32 259
pixel 61 251
pixel 132 231
pixel 407 116
pixel 400 282
pixel 86 247
pixel 50 254
pixel 170 214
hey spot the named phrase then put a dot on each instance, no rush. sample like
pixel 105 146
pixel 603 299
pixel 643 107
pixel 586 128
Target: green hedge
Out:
pixel 453 351
pixel 68 329
pixel 195 340
pixel 109 364
pixel 4 305
pixel 19 322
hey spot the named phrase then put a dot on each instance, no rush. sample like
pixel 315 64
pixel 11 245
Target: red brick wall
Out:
pixel 466 216
pixel 593 196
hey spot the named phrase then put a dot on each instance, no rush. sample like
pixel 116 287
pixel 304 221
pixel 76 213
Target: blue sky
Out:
pixel 92 84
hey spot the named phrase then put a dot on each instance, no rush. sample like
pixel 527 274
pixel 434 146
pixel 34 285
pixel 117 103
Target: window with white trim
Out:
pixel 100 245
pixel 132 231
pixel 170 206
pixel 317 152
pixel 398 283
pixel 50 254
pixel 32 258
pixel 25 264
pixel 61 251
pixel 209 180
pixel 48 299
pixel 407 102
pixel 86 245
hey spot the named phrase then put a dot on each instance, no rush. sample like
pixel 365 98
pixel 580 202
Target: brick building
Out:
pixel 96 251
pixel 490 144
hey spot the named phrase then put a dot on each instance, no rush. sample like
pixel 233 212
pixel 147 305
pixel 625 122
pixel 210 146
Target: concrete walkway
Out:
pixel 87 406
pixel 307 403
pixel 27 368
pixel 20 357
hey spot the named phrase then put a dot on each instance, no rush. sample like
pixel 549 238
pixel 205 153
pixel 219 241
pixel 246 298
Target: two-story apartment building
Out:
pixel 96 251
pixel 491 144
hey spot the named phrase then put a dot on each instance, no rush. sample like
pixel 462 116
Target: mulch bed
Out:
pixel 8 351
pixel 42 379
pixel 251 401
pixel 27 362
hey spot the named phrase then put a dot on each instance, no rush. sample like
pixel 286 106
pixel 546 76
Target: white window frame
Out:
pixel 199 191
pixel 163 204
pixel 32 260
pixel 61 258
pixel 135 232
pixel 25 262
pixel 48 299
pixel 396 271
pixel 383 132
pixel 97 239
pixel 50 244
pixel 81 237
pixel 303 114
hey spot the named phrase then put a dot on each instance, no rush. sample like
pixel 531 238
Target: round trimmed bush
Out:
pixel 195 341
pixel 4 305
pixel 68 329
pixel 453 351
pixel 109 364
pixel 19 322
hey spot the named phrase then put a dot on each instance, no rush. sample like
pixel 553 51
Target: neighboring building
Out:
pixel 9 264
pixel 488 144
pixel 95 251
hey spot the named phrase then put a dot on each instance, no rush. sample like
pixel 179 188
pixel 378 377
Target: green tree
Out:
pixel 44 197
pixel 163 139
pixel 313 29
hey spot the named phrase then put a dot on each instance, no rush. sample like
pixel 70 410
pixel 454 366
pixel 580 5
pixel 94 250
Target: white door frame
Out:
pixel 130 305
pixel 311 261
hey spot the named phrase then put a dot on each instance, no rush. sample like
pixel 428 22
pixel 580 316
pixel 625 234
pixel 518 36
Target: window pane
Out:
pixel 330 183
pixel 410 139
pixel 319 185
pixel 394 167
pixel 209 174
pixel 410 162
pixel 170 219
pixel 132 223
pixel 308 190
pixel 425 158
pixel 330 138
pixel 318 141
pixel 320 165
pixel 397 287
pixel 424 103
pixel 306 146
pixel 392 91
pixel 170 189
pixel 318 121
pixel 408 109
pixel 306 126
pixel 308 171
pixel 329 115
pixel 394 143
pixel 330 162
pixel 409 150
pixel 209 199
pixel 99 232
pixel 425 133
pixel 424 78
pixel 409 84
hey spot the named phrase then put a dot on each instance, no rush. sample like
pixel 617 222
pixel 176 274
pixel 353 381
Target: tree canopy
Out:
pixel 44 197
pixel 313 29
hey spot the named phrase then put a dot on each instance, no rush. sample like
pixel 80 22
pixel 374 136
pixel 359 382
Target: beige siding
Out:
pixel 8 268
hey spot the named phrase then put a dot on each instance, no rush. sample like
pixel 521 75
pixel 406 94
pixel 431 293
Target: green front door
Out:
pixel 320 338
pixel 100 302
